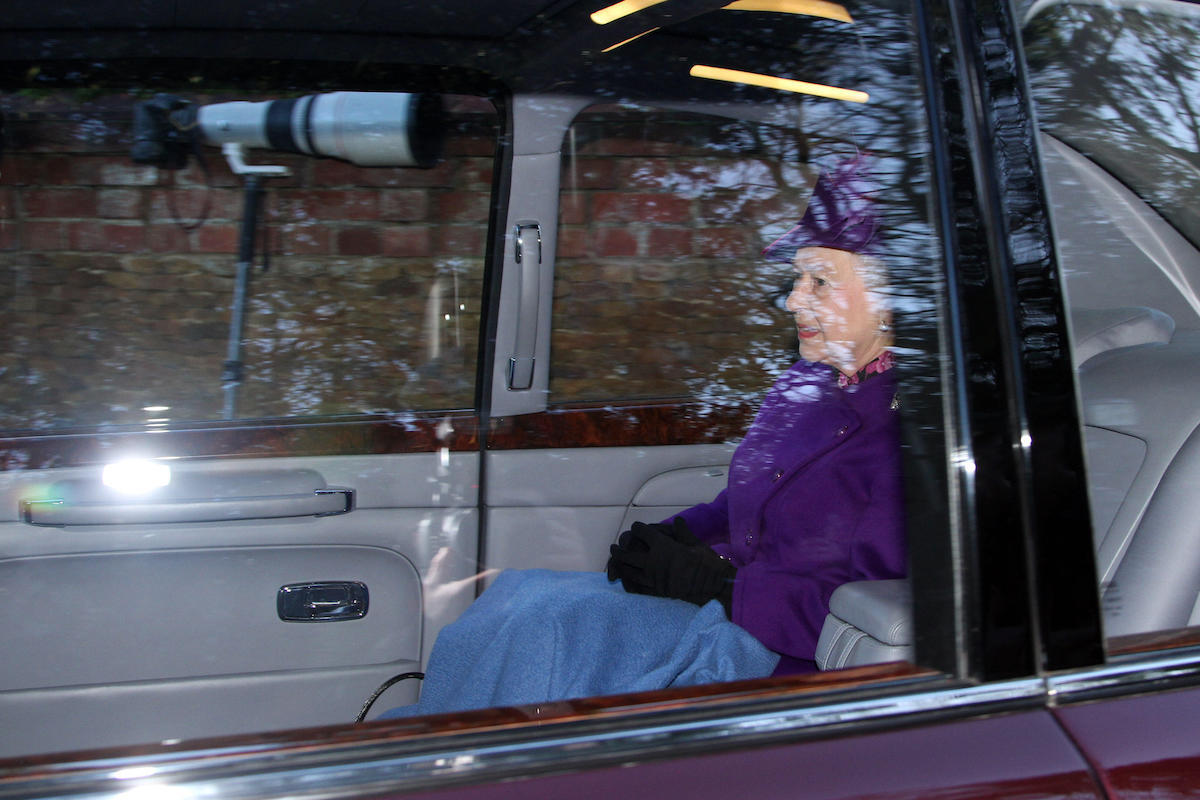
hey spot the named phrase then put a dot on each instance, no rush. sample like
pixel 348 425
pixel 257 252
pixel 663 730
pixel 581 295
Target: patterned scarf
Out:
pixel 877 367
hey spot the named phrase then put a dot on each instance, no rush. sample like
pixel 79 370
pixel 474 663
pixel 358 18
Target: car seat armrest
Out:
pixel 869 622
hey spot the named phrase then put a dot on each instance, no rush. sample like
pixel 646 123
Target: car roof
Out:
pixel 528 45
pixel 478 19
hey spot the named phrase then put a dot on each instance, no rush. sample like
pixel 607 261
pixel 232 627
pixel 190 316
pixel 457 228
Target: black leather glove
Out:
pixel 678 531
pixel 669 561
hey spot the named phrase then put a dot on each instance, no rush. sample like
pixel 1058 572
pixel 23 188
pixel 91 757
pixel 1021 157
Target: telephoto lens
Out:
pixel 371 129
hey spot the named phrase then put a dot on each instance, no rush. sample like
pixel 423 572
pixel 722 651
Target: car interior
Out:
pixel 133 643
pixel 277 580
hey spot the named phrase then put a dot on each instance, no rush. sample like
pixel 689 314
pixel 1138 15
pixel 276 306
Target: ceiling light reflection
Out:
pixel 622 9
pixel 783 84
pixel 135 476
pixel 811 8
pixel 612 47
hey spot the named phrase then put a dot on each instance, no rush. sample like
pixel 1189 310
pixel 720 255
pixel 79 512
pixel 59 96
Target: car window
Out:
pixel 661 286
pixel 1115 87
pixel 1127 98
pixel 678 303
pixel 703 153
pixel 124 292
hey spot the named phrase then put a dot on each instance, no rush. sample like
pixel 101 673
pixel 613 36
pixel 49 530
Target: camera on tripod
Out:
pixel 370 129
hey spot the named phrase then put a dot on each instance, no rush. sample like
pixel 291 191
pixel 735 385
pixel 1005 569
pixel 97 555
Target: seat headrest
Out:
pixel 1098 330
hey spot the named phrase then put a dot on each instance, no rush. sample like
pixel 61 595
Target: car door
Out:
pixel 1003 586
pixel 240 489
pixel 1121 166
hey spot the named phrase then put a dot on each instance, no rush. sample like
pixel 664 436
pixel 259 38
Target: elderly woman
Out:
pixel 814 494
pixel 813 501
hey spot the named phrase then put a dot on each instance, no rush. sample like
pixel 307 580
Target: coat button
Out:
pixel 842 430
pixel 778 474
pixel 749 538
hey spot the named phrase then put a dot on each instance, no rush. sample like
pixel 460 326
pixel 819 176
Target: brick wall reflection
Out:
pixel 660 291
pixel 118 278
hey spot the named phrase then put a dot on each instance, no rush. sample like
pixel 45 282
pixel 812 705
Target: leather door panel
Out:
pixel 123 634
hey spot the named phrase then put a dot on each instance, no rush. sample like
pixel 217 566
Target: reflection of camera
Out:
pixel 162 135
pixel 371 129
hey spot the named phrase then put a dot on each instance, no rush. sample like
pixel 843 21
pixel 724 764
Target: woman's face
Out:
pixel 838 321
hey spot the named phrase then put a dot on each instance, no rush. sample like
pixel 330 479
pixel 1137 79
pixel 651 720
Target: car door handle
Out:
pixel 520 363
pixel 322 601
pixel 58 512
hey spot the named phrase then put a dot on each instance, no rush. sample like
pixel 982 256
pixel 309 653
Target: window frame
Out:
pixel 1010 333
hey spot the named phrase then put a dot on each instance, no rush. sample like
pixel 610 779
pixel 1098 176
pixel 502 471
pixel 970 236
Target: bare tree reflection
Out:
pixel 1127 96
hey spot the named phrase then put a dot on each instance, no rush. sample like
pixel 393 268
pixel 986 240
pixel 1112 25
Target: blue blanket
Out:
pixel 537 636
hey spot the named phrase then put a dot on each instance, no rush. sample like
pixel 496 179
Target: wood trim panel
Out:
pixel 490 719
pixel 1137 643
pixel 636 424
pixel 609 425
pixel 415 433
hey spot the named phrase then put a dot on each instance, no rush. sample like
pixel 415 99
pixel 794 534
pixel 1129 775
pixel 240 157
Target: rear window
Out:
pixel 1127 97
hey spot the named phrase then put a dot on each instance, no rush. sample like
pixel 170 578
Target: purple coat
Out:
pixel 814 500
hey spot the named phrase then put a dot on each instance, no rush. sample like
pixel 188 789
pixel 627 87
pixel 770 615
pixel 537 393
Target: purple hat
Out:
pixel 839 215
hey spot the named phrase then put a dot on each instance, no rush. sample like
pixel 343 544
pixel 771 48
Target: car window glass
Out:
pixel 704 162
pixel 1115 86
pixel 661 286
pixel 676 307
pixel 1126 98
pixel 703 146
pixel 123 279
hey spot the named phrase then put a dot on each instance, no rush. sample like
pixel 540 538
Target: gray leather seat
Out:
pixel 1142 439
pixel 1142 431
pixel 1100 330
